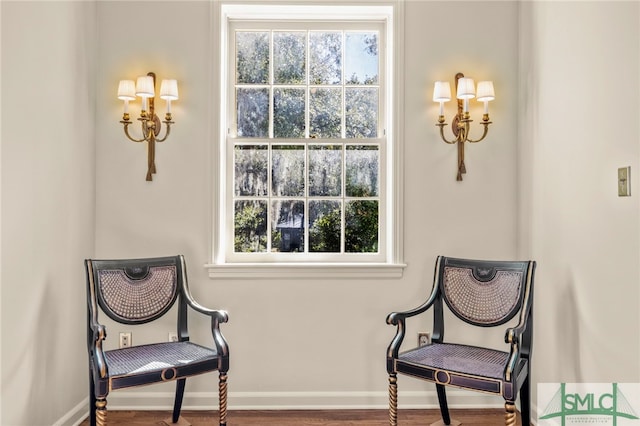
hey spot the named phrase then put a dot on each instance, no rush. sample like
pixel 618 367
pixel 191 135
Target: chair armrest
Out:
pixel 217 317
pixel 99 334
pixel 513 337
pixel 395 318
pixel 519 337
pixel 513 334
pixel 220 316
pixel 399 319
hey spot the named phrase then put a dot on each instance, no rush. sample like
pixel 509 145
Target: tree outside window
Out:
pixel 306 151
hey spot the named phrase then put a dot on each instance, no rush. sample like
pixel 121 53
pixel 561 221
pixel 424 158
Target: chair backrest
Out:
pixel 485 293
pixel 134 291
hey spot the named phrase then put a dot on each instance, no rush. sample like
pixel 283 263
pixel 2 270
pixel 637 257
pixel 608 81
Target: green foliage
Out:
pixel 361 112
pixel 288 113
pixel 325 110
pixel 288 170
pixel 324 235
pixel 362 171
pixel 253 112
pixel 361 230
pixel 252 57
pixel 289 57
pixel 250 165
pixel 250 224
pixel 325 170
pixel 325 57
pixel 371 40
pixel 307 64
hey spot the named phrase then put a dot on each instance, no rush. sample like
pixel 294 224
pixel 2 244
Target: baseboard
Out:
pixel 131 400
pixel 126 400
pixel 76 415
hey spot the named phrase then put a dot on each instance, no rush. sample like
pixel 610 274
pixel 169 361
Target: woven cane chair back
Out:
pixel 137 294
pixel 483 294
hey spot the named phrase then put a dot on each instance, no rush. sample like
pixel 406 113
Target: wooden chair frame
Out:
pixel 106 370
pixel 510 371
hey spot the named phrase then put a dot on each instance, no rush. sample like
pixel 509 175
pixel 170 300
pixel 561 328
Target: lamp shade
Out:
pixel 466 88
pixel 441 91
pixel 485 91
pixel 144 87
pixel 169 90
pixel 127 90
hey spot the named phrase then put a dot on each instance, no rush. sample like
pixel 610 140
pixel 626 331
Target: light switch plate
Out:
pixel 624 185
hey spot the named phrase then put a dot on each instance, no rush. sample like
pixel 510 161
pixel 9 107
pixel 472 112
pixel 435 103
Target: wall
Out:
pixel 545 175
pixel 47 206
pixel 313 343
pixel 580 109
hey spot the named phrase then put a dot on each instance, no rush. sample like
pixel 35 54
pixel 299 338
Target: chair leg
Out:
pixel 177 405
pixel 393 399
pixel 525 402
pixel 223 398
pixel 92 401
pixel 444 408
pixel 101 412
pixel 510 413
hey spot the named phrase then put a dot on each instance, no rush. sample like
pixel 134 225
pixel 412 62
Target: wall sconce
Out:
pixel 465 90
pixel 149 121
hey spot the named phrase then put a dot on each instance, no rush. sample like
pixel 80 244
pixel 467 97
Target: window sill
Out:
pixel 305 270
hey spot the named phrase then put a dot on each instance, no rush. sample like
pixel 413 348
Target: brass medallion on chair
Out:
pixel 483 294
pixel 136 292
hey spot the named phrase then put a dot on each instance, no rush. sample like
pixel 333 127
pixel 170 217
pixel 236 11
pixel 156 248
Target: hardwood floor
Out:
pixel 476 417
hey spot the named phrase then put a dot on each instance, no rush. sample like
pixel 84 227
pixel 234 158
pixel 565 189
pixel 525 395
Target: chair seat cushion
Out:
pixel 156 357
pixel 468 360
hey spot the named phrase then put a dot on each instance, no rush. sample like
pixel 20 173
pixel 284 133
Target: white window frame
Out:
pixel 388 266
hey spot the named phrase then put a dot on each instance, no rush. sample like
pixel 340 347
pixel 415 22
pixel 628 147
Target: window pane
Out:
pixel 324 226
pixel 362 171
pixel 252 112
pixel 325 57
pixel 361 58
pixel 288 112
pixel 325 170
pixel 361 226
pixel 306 134
pixel 288 170
pixel 289 57
pixel 361 118
pixel 252 57
pixel 250 170
pixel 287 226
pixel 250 220
pixel 325 111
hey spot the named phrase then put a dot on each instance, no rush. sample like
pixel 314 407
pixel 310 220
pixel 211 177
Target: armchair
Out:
pixel 139 291
pixel 483 294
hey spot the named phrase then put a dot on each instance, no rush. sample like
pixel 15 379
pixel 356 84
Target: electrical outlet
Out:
pixel 424 338
pixel 624 188
pixel 125 340
pixel 173 336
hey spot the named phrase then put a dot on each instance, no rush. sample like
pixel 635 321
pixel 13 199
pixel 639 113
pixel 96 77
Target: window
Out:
pixel 307 160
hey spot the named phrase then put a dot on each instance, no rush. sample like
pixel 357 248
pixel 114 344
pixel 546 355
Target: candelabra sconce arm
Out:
pixel 149 122
pixel 461 123
pixel 126 123
pixel 167 122
pixel 485 123
pixel 444 138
